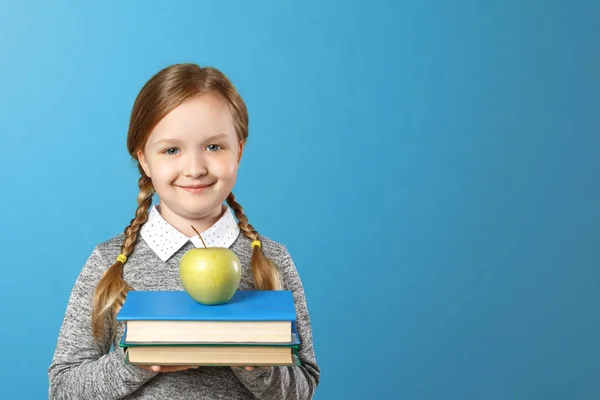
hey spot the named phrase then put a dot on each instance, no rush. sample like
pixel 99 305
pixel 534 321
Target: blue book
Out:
pixel 173 317
pixel 294 342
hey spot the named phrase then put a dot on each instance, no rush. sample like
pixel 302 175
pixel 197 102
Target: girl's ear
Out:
pixel 142 159
pixel 240 151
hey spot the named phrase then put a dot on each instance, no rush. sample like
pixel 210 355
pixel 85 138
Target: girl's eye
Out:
pixel 169 152
pixel 213 147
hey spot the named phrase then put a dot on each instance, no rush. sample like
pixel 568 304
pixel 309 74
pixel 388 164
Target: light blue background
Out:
pixel 433 167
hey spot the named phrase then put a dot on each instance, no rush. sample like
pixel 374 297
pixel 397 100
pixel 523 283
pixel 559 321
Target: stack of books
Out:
pixel 255 328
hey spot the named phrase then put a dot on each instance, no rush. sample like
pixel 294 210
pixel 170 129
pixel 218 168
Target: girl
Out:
pixel 187 132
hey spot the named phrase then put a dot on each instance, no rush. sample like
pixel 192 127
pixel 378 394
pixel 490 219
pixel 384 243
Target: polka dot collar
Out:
pixel 165 240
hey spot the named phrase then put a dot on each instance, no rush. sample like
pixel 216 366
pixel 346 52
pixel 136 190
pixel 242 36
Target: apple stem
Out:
pixel 199 236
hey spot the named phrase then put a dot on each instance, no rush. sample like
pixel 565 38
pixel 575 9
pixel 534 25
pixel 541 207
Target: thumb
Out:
pixel 155 368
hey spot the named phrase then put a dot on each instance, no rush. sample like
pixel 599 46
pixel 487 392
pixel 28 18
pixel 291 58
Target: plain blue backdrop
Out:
pixel 432 166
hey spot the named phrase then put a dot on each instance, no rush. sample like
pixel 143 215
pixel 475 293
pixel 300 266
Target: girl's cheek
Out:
pixel 167 170
pixel 230 171
pixel 224 169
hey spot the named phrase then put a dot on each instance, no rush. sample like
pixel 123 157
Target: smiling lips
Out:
pixel 196 188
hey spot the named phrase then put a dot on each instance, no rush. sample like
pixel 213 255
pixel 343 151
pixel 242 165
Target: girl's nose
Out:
pixel 195 166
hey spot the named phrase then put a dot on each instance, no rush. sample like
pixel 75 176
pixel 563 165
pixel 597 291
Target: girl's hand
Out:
pixel 249 368
pixel 167 368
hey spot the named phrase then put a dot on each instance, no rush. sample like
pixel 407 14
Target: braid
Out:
pixel 244 225
pixel 264 271
pixel 112 288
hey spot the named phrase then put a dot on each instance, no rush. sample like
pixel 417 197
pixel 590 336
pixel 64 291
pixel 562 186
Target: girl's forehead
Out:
pixel 197 118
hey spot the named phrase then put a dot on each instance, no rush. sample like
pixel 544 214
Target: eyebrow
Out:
pixel 172 140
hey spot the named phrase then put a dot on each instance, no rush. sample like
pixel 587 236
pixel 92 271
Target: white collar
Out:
pixel 165 240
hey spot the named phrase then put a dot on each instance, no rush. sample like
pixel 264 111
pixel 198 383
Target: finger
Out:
pixel 153 368
pixel 178 368
pixel 248 368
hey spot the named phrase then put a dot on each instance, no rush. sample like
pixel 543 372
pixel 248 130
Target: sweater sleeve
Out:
pixel 80 367
pixel 292 382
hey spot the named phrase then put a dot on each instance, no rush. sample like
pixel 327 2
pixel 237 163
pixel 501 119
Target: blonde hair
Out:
pixel 160 95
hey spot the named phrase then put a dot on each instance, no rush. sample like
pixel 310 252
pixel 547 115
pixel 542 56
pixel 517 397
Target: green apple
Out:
pixel 210 275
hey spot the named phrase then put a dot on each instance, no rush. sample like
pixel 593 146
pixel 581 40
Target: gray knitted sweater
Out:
pixel 82 369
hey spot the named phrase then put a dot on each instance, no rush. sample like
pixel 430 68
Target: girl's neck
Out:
pixel 184 225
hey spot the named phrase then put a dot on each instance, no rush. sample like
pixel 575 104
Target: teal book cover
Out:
pixel 295 361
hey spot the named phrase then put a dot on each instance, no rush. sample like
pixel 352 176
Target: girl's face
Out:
pixel 192 157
